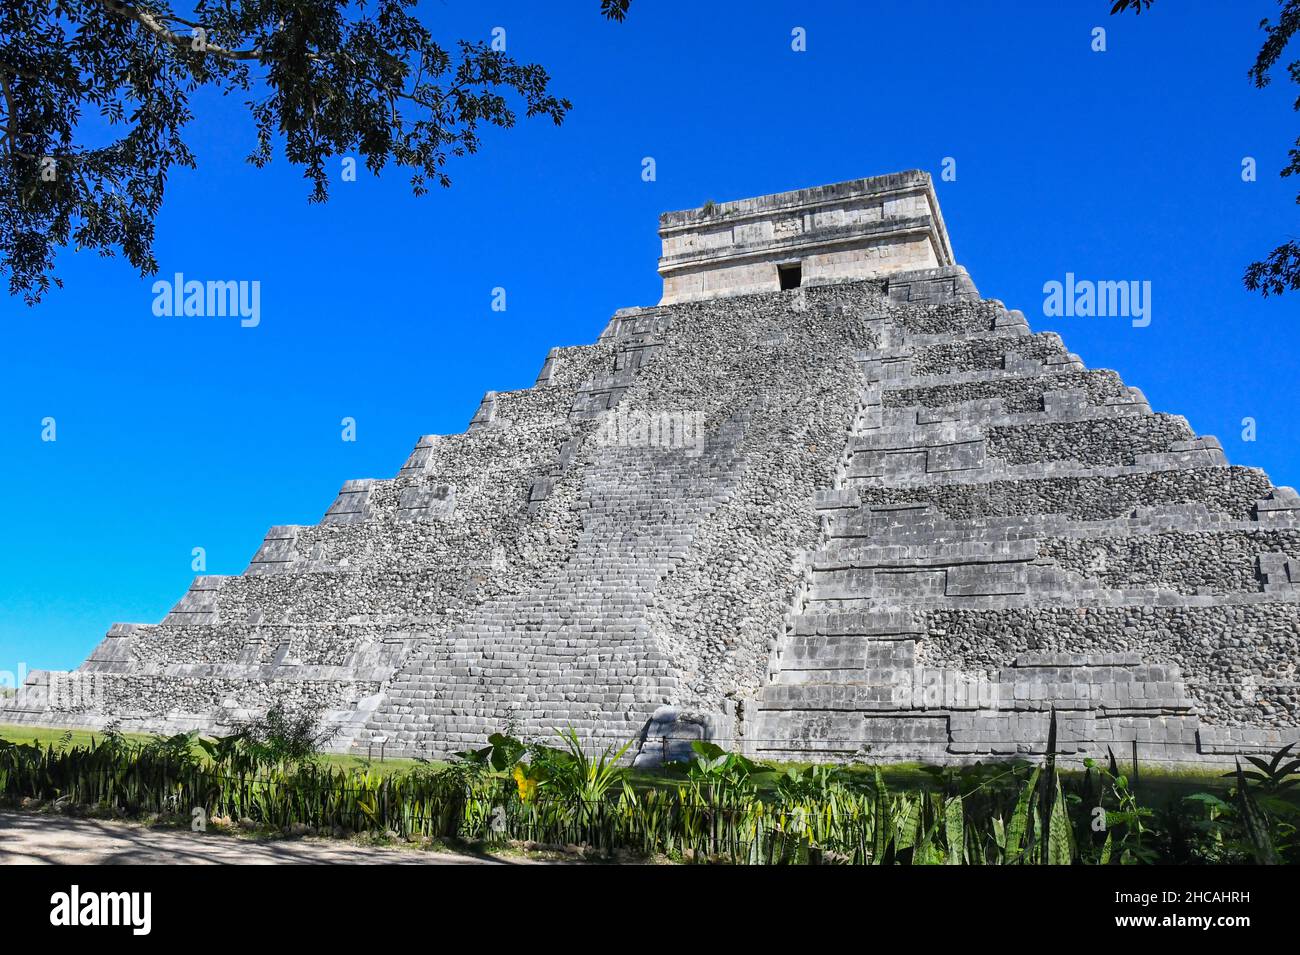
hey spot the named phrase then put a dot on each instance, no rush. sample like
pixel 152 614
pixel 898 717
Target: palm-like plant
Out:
pixel 582 777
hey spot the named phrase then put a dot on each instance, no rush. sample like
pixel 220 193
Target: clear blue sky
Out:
pixel 175 433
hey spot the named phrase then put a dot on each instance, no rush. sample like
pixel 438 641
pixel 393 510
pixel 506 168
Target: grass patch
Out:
pixel 384 767
pixel 58 738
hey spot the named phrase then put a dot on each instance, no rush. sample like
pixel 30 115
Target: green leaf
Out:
pixel 707 750
pixel 954 830
pixel 906 822
pixel 884 821
pixel 1263 766
pixel 1288 769
pixel 1020 819
pixel 1256 824
pixel 1060 839
pixel 1208 799
pixel 1277 759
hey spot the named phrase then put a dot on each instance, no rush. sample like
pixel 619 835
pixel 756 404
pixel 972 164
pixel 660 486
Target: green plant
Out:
pixel 721 774
pixel 280 735
pixel 582 777
pixel 1127 838
pixel 718 807
pixel 1255 821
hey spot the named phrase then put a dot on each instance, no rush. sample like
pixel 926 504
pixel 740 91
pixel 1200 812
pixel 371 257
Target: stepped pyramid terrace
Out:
pixel 822 502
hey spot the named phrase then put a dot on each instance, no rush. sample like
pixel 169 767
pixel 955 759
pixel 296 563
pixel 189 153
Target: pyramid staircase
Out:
pixel 990 478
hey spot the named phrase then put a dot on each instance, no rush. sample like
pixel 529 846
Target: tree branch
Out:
pixel 9 112
pixel 179 40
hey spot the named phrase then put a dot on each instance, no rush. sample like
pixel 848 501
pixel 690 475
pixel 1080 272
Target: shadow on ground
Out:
pixel 27 838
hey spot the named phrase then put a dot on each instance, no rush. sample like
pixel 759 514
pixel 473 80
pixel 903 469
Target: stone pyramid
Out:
pixel 822 502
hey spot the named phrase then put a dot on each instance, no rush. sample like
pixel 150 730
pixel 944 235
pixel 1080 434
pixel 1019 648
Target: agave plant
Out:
pixel 582 777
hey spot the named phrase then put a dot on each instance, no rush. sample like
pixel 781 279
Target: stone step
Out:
pixel 1089 494
pixel 839 734
pixel 944 453
pixel 867 556
pixel 898 424
pixel 903 523
pixel 840 659
pixel 878 625
pixel 997 471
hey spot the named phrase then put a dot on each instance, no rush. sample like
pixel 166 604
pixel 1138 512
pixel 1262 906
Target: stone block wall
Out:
pixel 876 518
pixel 1015 534
pixel 847 231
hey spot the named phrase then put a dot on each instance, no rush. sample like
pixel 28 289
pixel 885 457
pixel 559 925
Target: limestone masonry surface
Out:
pixel 822 502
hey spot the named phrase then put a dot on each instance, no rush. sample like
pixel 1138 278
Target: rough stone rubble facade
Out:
pixel 822 502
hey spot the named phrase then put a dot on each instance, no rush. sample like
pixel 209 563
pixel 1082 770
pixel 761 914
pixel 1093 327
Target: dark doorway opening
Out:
pixel 790 276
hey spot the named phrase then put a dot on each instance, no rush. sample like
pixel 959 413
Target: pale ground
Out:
pixel 54 840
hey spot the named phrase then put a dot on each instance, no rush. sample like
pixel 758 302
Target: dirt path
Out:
pixel 53 840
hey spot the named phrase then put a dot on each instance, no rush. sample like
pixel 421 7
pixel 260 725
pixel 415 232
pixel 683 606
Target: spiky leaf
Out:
pixel 954 829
